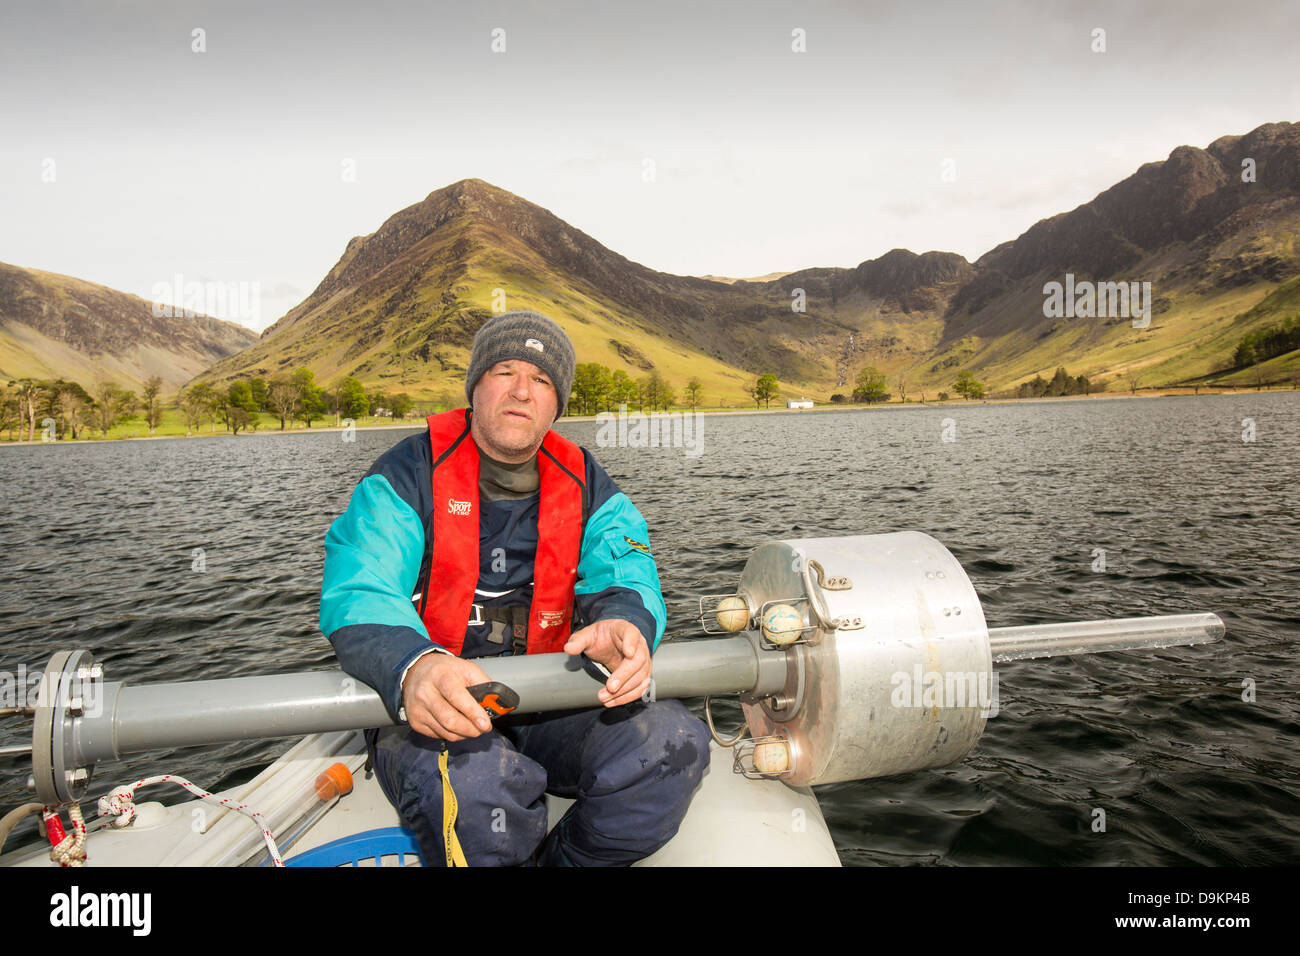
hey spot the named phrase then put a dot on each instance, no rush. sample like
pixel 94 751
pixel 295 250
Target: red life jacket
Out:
pixel 454 565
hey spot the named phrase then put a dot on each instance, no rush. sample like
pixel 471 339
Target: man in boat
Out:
pixel 534 550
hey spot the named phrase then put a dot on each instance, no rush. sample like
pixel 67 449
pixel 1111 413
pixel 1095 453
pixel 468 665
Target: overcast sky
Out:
pixel 230 165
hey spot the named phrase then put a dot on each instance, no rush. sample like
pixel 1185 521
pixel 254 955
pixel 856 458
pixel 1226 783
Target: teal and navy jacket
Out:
pixel 376 564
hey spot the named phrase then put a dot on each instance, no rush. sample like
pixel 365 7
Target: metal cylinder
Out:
pixel 892 671
pixel 132 719
pixel 897 675
pixel 1091 637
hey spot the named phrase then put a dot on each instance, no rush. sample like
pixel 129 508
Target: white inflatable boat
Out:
pixel 853 658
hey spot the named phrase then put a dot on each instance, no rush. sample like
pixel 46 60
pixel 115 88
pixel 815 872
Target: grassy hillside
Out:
pixel 1207 295
pixel 400 307
pixel 54 326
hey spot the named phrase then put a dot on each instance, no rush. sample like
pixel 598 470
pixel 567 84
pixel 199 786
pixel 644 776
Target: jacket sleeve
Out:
pixel 373 553
pixel 617 577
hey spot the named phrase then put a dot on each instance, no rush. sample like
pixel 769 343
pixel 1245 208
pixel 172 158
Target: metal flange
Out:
pixel 69 688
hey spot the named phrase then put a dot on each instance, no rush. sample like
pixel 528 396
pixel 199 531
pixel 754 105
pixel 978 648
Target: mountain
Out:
pixel 1213 230
pixel 401 305
pixel 55 326
pixel 1207 235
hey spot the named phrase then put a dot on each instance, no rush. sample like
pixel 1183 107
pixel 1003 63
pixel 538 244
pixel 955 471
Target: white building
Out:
pixel 799 403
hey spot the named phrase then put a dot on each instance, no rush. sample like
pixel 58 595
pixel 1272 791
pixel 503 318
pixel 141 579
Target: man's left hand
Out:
pixel 621 647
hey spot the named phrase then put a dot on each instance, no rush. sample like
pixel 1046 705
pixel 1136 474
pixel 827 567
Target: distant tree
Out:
pixel 1061 383
pixel 10 413
pixel 1035 388
pixel 654 391
pixel 622 389
pixel 261 393
pixel 1268 342
pixel 238 417
pixel 196 404
pixel 216 410
pixel 591 385
pixel 378 400
pixel 50 403
pixel 282 397
pixel 111 405
pixel 333 403
pixel 766 389
pixel 238 398
pixel 313 406
pixel 943 396
pixel 902 385
pixel 401 405
pixel 838 398
pixel 71 405
pixel 352 398
pixel 311 397
pixel 693 390
pixel 27 392
pixel 967 386
pixel 149 401
pixel 1134 378
pixel 1244 354
pixel 204 402
pixel 870 387
pixel 240 395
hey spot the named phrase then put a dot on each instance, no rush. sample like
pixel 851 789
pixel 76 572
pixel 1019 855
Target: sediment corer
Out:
pixel 886 667
pixel 893 670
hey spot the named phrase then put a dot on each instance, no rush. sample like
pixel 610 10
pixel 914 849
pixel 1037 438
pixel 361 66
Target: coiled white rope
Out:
pixel 71 850
pixel 121 804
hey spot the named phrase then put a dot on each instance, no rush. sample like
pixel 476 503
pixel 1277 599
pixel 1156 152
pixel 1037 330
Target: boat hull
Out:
pixel 732 820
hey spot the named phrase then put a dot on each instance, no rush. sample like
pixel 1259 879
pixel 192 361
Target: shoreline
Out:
pixel 1172 392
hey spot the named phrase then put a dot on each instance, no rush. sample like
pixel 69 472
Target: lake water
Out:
pixel 98 545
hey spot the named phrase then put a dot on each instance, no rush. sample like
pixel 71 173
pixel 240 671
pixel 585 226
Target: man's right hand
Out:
pixel 436 701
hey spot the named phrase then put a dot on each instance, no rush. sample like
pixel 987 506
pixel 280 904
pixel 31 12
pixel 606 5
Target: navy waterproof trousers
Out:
pixel 631 770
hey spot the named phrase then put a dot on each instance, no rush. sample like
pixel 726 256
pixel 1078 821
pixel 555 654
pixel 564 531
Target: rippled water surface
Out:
pixel 99 551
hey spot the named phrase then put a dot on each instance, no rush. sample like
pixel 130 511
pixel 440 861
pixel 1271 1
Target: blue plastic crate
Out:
pixel 370 845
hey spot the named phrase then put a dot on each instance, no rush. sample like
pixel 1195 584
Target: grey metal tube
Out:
pixel 691 668
pixel 1091 637
pixel 142 718
pixel 152 716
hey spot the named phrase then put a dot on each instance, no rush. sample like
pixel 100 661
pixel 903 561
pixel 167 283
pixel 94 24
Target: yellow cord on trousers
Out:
pixel 455 856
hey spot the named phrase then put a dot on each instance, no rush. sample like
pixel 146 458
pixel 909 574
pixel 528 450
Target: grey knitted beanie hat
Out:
pixel 529 337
